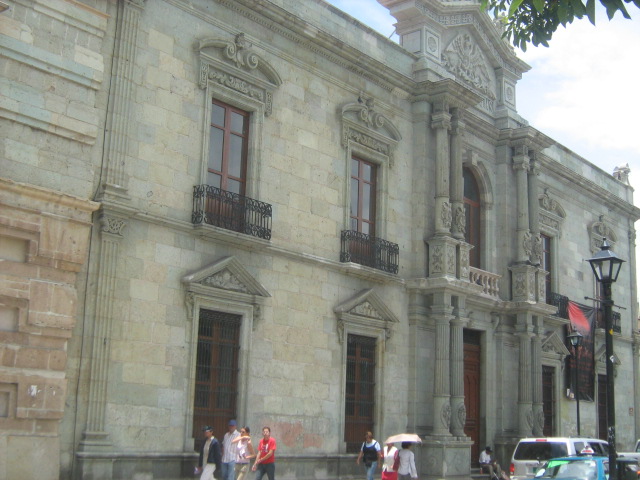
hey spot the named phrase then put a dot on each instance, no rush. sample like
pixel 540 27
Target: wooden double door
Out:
pixel 472 371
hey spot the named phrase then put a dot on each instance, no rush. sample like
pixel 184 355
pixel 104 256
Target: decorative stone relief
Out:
pixel 437 259
pixel 551 215
pixel 445 214
pixel 527 243
pixel 365 311
pixel 466 61
pixel 462 414
pixel 445 415
pixel 529 418
pixel 520 285
pixel 622 174
pixel 112 225
pixel 537 247
pixel 599 230
pixel 236 66
pixel 460 219
pixel 364 125
pixel 225 280
pixel 451 260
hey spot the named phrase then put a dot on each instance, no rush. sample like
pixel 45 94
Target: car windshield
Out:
pixel 586 469
pixel 540 450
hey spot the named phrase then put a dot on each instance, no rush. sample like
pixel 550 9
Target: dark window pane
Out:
pixel 366 201
pixel 354 167
pixel 237 123
pixel 366 172
pixel 213 179
pixel 217 115
pixel 354 198
pixel 216 146
pixel 235 156
pixel 233 186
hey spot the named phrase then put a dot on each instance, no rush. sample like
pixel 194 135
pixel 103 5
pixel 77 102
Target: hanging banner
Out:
pixel 582 320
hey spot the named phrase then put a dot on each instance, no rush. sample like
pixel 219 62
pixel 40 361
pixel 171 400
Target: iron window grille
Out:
pixel 369 251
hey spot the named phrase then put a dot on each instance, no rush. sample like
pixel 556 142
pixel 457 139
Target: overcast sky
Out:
pixel 583 91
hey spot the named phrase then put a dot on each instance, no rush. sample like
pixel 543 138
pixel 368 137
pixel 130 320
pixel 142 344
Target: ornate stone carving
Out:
pixel 367 310
pixel 366 140
pixel 112 225
pixel 236 84
pixel 445 415
pixel 445 215
pixel 519 284
pixel 451 260
pixel 529 418
pixel 537 248
pixel 225 280
pixel 466 61
pixel 437 259
pixel 460 219
pixel 622 173
pixel 527 242
pixel 462 414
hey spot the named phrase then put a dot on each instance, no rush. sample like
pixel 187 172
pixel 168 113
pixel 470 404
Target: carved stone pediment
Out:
pixel 228 275
pixel 553 345
pixel 367 311
pixel 599 230
pixel 601 356
pixel 551 214
pixel 466 61
pixel 236 66
pixel 363 124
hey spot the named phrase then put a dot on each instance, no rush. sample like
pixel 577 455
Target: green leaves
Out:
pixel 535 21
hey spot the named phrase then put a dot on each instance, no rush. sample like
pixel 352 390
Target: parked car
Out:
pixel 531 453
pixel 635 454
pixel 575 468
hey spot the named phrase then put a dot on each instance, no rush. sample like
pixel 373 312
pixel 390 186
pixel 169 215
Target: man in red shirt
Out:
pixel 266 459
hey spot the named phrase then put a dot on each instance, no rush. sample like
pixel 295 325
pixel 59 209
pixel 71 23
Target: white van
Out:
pixel 531 453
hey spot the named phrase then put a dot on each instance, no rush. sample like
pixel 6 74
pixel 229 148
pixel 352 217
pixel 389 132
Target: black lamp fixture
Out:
pixel 575 338
pixel 605 264
pixel 606 267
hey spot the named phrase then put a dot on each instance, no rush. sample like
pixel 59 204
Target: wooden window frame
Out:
pixel 228 132
pixel 362 182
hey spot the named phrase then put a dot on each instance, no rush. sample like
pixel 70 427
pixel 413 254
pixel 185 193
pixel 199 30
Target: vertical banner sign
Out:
pixel 582 319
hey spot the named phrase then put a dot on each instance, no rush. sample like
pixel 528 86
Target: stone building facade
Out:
pixel 265 210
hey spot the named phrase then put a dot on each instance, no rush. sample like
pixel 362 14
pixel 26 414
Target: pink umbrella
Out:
pixel 404 437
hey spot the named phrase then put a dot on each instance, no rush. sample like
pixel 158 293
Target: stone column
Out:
pixel 534 214
pixel 525 397
pixel 441 311
pixel 95 435
pixel 119 120
pixel 521 167
pixel 536 359
pixel 456 179
pixel 441 122
pixel 456 355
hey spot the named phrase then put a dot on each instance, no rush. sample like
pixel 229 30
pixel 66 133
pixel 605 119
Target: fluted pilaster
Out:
pixel 536 359
pixel 458 410
pixel 119 125
pixel 442 310
pixel 525 399
pixel 111 235
pixel 521 167
pixel 441 123
pixel 456 181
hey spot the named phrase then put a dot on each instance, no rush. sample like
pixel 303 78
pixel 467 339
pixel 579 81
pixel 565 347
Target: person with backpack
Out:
pixel 371 454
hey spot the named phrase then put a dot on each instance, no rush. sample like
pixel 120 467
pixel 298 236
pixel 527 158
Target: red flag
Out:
pixel 578 319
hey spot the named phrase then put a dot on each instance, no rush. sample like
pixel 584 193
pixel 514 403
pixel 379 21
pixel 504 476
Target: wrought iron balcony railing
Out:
pixel 562 302
pixel 217 207
pixel 369 251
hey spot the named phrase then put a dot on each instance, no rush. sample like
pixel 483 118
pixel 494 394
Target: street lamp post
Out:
pixel 576 342
pixel 606 267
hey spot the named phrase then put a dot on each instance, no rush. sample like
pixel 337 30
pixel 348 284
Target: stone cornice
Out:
pixel 590 188
pixel 310 37
pixel 449 91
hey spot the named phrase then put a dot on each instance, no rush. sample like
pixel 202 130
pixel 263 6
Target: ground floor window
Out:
pixel 549 400
pixel 216 382
pixel 360 390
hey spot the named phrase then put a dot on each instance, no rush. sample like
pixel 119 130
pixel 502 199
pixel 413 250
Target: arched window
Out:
pixel 472 216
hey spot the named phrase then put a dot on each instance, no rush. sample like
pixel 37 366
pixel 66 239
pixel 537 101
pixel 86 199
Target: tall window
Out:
pixel 216 388
pixel 363 196
pixel 546 263
pixel 360 389
pixel 549 400
pixel 229 135
pixel 472 216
